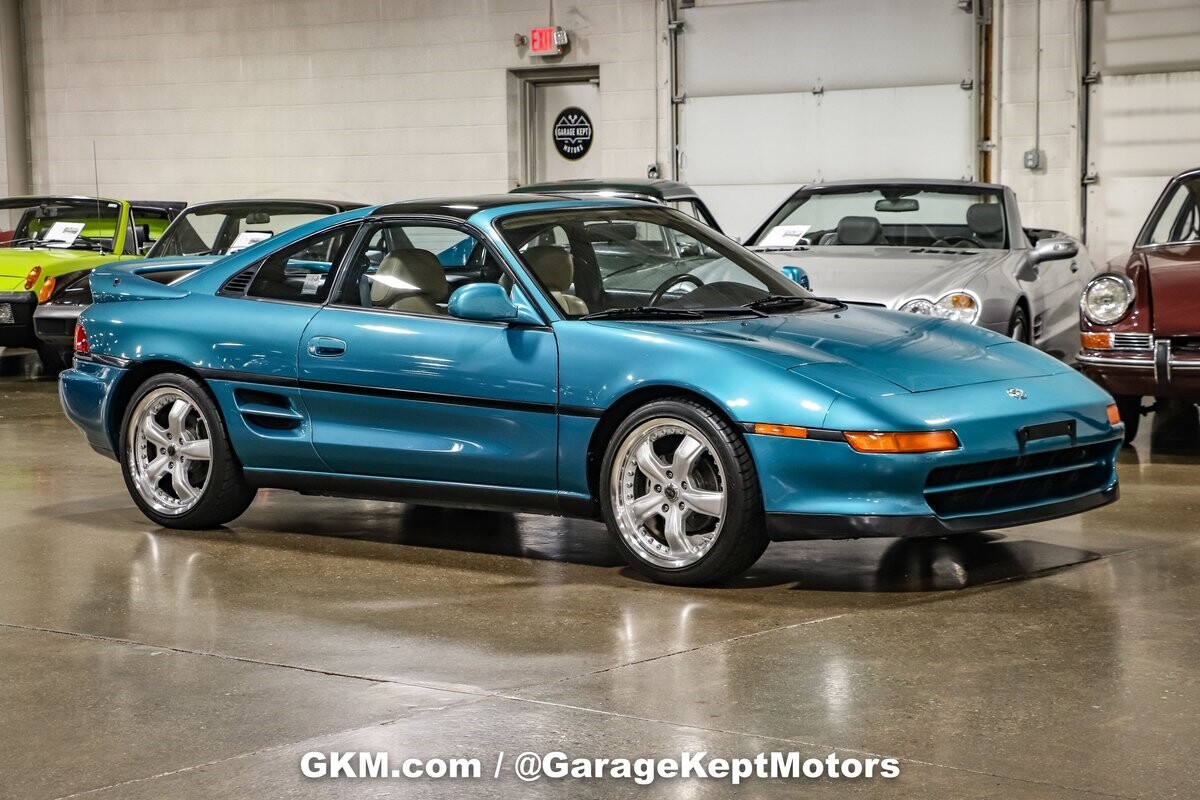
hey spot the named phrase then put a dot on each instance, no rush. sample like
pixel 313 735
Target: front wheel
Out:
pixel 176 458
pixel 1018 326
pixel 681 496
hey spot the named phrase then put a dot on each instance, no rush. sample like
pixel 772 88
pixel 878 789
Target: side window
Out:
pixel 302 272
pixel 414 268
pixel 1178 222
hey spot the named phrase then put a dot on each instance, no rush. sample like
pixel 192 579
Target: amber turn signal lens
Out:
pixel 32 277
pixel 792 431
pixel 1114 414
pixel 906 442
pixel 47 289
pixel 1097 341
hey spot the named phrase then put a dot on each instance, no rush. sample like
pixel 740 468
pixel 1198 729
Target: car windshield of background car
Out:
pixel 907 217
pixel 77 224
pixel 219 232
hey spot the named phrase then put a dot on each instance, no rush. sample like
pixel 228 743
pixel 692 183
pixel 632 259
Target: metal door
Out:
pixel 573 153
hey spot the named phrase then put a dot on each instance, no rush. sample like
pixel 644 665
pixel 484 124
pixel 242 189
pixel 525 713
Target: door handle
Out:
pixel 326 347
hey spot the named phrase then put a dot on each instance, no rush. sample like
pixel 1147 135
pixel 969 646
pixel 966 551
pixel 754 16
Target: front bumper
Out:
pixel 1165 368
pixel 999 477
pixel 791 527
pixel 16 319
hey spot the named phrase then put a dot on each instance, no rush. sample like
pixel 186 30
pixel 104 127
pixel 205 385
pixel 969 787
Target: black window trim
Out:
pixel 371 224
pixel 335 270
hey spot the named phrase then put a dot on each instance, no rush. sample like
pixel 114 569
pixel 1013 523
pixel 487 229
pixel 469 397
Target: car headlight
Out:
pixel 1107 298
pixel 958 306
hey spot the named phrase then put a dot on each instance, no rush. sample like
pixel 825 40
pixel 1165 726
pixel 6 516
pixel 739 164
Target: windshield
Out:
pixel 217 230
pixel 901 216
pixel 611 261
pixel 59 223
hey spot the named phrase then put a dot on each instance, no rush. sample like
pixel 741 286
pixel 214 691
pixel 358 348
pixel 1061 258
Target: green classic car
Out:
pixel 48 239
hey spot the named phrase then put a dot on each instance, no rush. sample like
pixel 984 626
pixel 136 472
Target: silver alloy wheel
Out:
pixel 668 493
pixel 169 451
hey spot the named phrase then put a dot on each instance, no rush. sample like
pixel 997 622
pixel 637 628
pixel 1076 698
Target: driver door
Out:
pixel 398 388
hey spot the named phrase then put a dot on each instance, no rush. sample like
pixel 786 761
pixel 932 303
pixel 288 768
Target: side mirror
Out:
pixel 1054 249
pixel 487 302
pixel 797 275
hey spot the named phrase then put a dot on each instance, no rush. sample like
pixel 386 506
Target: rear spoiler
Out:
pixel 113 283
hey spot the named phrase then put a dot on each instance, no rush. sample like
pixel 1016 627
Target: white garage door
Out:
pixel 1144 113
pixel 794 91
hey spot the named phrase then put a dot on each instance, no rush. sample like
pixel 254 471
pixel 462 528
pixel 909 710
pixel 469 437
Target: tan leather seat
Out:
pixel 409 279
pixel 555 268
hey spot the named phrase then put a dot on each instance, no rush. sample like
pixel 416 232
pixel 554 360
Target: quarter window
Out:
pixel 303 272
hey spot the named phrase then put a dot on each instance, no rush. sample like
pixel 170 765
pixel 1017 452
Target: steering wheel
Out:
pixel 669 284
pixel 950 241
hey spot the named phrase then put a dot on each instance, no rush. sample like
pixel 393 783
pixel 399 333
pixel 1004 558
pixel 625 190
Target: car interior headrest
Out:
pixel 406 271
pixel 859 230
pixel 553 266
pixel 986 219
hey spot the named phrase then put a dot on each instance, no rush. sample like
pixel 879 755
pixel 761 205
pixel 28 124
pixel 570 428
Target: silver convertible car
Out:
pixel 953 249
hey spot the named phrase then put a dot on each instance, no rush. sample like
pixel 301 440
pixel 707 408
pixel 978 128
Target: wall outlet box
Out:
pixel 1033 159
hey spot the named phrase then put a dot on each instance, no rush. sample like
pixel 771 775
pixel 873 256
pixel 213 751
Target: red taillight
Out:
pixel 81 342
pixel 32 277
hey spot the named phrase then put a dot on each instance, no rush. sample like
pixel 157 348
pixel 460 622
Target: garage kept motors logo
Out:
pixel 573 133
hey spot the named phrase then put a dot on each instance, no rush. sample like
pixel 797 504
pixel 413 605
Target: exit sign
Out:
pixel 546 41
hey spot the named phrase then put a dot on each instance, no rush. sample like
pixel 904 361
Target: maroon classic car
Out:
pixel 1141 320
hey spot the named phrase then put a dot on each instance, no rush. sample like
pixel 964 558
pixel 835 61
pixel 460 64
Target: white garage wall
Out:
pixel 1145 112
pixel 1050 195
pixel 357 99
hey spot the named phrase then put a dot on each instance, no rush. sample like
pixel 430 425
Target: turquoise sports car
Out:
pixel 592 358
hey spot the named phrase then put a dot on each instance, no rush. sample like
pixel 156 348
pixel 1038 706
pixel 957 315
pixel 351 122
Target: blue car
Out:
pixel 592 358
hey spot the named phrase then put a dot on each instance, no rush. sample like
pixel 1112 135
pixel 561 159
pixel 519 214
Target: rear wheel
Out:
pixel 176 458
pixel 681 496
pixel 1130 408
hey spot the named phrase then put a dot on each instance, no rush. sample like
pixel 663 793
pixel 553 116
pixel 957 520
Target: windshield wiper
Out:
pixel 777 301
pixel 22 242
pixel 644 311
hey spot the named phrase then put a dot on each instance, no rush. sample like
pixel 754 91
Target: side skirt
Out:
pixel 458 495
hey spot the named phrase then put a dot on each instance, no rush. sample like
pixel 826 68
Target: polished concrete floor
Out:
pixel 1052 662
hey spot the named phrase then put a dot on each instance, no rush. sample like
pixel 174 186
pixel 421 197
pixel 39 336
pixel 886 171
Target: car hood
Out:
pixel 868 352
pixel 16 262
pixel 1175 289
pixel 886 276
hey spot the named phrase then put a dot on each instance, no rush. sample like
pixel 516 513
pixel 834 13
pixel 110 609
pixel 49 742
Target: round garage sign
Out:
pixel 572 133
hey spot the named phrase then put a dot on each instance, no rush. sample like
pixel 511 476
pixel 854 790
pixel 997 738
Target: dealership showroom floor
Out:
pixel 1052 661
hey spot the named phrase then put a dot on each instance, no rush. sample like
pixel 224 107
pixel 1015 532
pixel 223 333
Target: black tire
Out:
pixel 1130 408
pixel 739 535
pixel 54 359
pixel 224 495
pixel 1018 326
